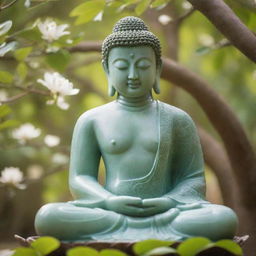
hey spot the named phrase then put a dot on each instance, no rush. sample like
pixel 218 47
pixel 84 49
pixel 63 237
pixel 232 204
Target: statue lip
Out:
pixel 133 84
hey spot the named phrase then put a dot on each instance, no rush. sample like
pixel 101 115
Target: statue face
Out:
pixel 132 70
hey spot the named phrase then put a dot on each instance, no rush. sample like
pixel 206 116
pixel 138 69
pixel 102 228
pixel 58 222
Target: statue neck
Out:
pixel 135 103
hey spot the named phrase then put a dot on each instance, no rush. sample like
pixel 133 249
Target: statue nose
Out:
pixel 133 74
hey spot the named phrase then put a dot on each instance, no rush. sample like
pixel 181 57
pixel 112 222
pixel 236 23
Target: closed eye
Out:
pixel 143 64
pixel 121 64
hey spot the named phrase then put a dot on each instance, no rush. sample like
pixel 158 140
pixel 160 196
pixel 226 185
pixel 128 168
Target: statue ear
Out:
pixel 105 67
pixel 156 86
pixel 111 88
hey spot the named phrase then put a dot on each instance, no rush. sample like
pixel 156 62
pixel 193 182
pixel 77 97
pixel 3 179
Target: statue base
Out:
pixel 123 246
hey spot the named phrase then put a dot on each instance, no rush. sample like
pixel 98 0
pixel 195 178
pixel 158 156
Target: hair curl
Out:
pixel 131 31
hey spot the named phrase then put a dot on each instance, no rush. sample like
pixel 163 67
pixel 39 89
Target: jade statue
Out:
pixel 155 185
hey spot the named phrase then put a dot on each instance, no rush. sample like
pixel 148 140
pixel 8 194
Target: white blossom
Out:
pixel 26 132
pixel 27 3
pixel 60 159
pixel 62 104
pixel 51 140
pixel 206 40
pixel 11 175
pixel 58 84
pixel 6 47
pixel 51 31
pixel 3 95
pixel 34 64
pixel 186 5
pixel 5 27
pixel 60 87
pixel 98 17
pixel 69 41
pixel 35 171
pixel 164 19
pixel 51 48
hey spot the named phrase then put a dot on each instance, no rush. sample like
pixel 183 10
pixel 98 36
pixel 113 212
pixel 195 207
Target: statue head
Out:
pixel 131 41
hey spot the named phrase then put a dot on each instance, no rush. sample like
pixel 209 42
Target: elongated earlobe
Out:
pixel 156 86
pixel 111 90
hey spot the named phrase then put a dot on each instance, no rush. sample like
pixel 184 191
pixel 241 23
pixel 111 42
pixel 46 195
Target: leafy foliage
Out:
pixel 40 247
pixel 87 11
pixel 191 247
pixel 143 247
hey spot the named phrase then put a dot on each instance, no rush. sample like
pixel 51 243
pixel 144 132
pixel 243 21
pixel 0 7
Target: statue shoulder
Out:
pixel 178 115
pixel 89 117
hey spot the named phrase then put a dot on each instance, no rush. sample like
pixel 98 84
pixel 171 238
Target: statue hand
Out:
pixel 191 206
pixel 154 206
pixel 127 205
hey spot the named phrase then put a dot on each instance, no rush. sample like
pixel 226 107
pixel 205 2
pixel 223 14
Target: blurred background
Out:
pixel 36 127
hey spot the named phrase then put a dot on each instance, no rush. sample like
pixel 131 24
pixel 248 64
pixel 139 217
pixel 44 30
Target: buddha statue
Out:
pixel 155 185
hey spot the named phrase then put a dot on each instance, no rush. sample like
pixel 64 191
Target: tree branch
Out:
pixel 239 149
pixel 87 47
pixel 225 20
pixel 27 90
pixel 216 158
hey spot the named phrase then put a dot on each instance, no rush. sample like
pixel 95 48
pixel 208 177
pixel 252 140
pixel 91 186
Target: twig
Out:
pixel 14 98
pixel 226 21
pixel 8 5
pixel 26 90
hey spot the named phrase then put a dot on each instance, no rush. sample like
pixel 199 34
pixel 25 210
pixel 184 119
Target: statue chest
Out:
pixel 121 133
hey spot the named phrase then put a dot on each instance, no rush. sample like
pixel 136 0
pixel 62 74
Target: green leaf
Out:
pixel 230 246
pixel 129 2
pixel 82 251
pixel 4 110
pixel 87 11
pixel 160 251
pixel 192 246
pixel 112 252
pixel 5 27
pixel 22 70
pixel 22 251
pixel 142 6
pixel 6 77
pixel 148 245
pixel 45 245
pixel 8 124
pixel 22 53
pixel 31 33
pixel 158 3
pixel 58 60
pixel 7 47
pixel 114 4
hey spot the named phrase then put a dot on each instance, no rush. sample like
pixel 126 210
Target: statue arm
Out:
pixel 84 163
pixel 188 185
